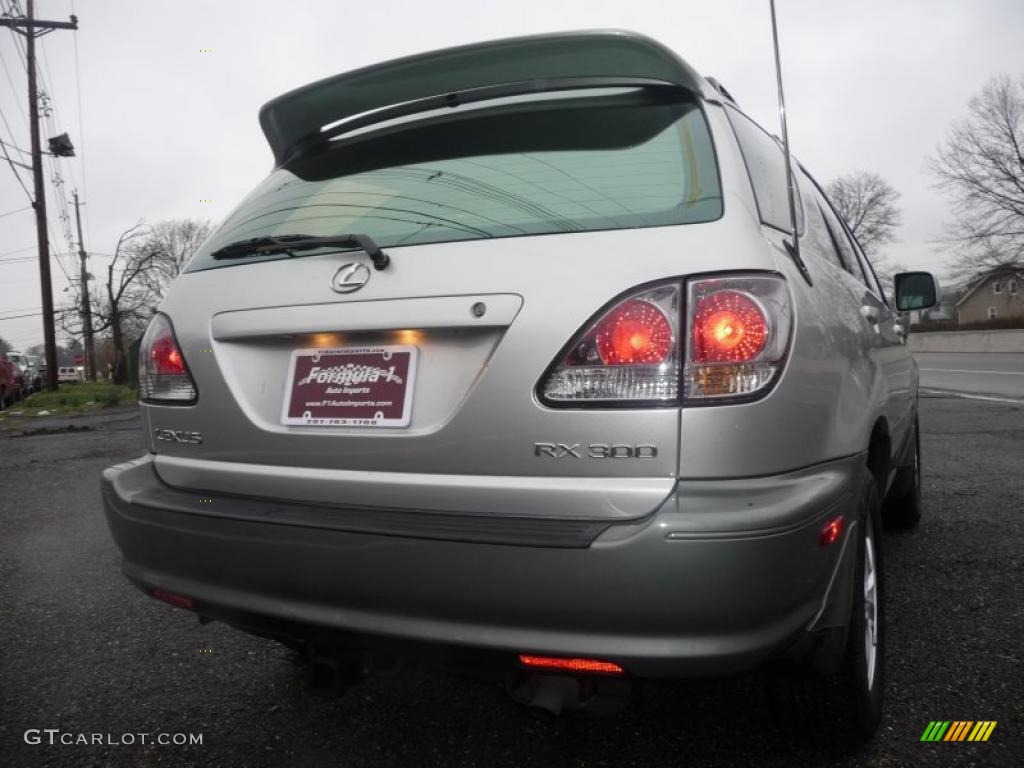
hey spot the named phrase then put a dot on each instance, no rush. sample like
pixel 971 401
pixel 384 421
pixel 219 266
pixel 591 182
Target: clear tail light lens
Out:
pixel 629 355
pixel 737 338
pixel 163 373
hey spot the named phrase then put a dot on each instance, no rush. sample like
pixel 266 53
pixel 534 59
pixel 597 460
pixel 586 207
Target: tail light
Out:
pixel 736 336
pixel 630 354
pixel 163 373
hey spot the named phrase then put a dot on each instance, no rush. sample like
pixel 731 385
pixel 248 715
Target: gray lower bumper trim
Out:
pixel 137 483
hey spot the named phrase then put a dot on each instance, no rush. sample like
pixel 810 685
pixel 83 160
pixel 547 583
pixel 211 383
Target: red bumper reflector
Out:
pixel 831 531
pixel 571 665
pixel 169 597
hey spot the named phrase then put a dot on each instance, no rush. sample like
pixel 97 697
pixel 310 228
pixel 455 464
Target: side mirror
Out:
pixel 915 290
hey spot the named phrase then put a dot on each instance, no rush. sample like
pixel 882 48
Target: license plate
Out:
pixel 350 387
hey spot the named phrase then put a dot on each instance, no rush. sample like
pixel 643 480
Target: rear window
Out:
pixel 619 160
pixel 766 165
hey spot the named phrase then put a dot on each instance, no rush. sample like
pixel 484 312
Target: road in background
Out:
pixel 84 652
pixel 978 373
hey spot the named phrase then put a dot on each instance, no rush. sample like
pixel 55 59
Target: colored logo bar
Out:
pixel 958 730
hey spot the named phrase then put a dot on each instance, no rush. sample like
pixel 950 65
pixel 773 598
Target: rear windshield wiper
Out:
pixel 287 243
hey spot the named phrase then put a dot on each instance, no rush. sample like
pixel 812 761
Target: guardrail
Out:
pixel 968 341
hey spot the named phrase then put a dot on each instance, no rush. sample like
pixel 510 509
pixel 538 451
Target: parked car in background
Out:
pixel 35 373
pixel 22 363
pixel 11 381
pixel 512 358
pixel 68 375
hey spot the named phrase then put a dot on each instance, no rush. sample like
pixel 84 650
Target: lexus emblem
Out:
pixel 350 277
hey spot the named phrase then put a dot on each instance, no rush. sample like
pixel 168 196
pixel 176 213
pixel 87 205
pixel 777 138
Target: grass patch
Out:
pixel 75 398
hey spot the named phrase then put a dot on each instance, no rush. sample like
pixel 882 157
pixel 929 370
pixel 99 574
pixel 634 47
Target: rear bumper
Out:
pixel 722 578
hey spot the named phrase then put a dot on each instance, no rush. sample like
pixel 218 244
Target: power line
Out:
pixel 37 314
pixel 16 210
pixel 13 146
pixel 51 117
pixel 17 250
pixel 11 132
pixel 60 263
pixel 19 259
pixel 81 127
pixel 33 29
pixel 17 175
pixel 3 63
pixel 60 195
pixel 5 257
pixel 15 12
pixel 10 80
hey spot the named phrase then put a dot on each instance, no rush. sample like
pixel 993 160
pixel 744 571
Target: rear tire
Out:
pixel 842 709
pixel 903 506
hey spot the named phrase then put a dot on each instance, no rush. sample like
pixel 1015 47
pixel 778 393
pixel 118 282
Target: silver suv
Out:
pixel 512 356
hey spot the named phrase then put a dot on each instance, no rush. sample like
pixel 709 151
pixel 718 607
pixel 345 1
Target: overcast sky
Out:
pixel 165 125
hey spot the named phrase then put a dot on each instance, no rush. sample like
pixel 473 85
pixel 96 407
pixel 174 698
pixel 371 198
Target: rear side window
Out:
pixel 818 234
pixel 622 160
pixel 839 237
pixel 869 271
pixel 766 165
pixel 849 252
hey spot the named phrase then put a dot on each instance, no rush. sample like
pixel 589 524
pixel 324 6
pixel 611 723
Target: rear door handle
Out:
pixel 870 314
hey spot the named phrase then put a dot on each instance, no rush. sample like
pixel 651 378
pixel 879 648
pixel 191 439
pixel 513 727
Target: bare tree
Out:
pixel 125 301
pixel 145 261
pixel 981 166
pixel 128 298
pixel 173 243
pixel 4 346
pixel 868 204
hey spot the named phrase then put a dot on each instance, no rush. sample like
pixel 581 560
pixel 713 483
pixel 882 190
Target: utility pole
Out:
pixel 31 29
pixel 90 350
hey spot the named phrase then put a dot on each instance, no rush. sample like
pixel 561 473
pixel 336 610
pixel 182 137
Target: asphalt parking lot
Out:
pixel 999 375
pixel 85 653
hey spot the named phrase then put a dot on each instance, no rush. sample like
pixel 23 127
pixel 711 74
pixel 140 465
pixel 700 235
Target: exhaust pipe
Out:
pixel 553 693
pixel 332 673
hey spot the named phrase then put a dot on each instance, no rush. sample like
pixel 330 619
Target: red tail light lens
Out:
pixel 166 357
pixel 738 336
pixel 629 355
pixel 634 332
pixel 163 374
pixel 590 666
pixel 728 327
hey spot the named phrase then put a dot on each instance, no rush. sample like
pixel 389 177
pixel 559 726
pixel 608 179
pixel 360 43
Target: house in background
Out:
pixel 942 315
pixel 998 295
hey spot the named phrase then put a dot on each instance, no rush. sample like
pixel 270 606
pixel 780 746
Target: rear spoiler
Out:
pixel 301 114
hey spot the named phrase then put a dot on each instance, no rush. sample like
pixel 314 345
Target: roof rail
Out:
pixel 302 113
pixel 721 90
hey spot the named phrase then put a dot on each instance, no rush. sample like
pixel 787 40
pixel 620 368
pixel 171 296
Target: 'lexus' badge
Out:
pixel 350 277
